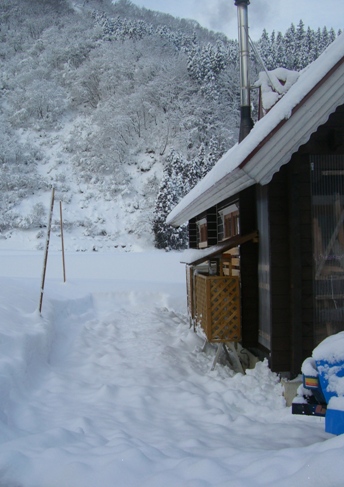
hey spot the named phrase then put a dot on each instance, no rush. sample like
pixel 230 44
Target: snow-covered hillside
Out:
pixel 94 96
pixel 92 219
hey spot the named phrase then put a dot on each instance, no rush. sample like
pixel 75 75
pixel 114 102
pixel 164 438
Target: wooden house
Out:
pixel 275 201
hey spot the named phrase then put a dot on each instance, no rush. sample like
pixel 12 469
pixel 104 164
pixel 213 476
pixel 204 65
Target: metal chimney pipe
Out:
pixel 246 122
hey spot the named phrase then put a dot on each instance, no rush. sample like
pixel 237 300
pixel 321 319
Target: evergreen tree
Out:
pixel 301 51
pixel 281 58
pixel 296 49
pixel 325 39
pixel 273 44
pixel 318 43
pixel 216 151
pixel 310 45
pixel 332 35
pixel 265 49
pixel 290 46
pixel 205 64
pixel 173 187
pixel 199 167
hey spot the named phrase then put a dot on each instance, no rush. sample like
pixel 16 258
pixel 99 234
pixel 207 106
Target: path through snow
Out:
pixel 111 388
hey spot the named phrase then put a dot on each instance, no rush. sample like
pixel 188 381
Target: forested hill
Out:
pixel 106 102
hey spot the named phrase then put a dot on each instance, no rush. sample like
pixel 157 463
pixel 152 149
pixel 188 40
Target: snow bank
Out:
pixel 110 386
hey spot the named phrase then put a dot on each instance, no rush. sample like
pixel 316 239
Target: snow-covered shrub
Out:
pixel 41 100
pixel 37 217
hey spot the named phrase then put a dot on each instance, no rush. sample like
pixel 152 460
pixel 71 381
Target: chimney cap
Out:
pixel 239 2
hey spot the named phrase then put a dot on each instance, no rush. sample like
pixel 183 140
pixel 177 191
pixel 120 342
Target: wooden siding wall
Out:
pixel 290 267
pixel 193 234
pixel 292 338
pixel 212 226
pixel 249 270
pixel 302 306
pixel 279 271
pixel 220 226
pixel 264 268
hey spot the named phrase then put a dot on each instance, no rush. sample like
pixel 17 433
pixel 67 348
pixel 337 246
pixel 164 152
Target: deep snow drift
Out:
pixel 109 387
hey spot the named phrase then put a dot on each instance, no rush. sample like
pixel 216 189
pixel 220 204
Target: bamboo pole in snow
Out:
pixel 46 249
pixel 62 243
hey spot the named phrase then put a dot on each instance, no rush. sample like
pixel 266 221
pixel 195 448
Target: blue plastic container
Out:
pixel 334 421
pixel 326 370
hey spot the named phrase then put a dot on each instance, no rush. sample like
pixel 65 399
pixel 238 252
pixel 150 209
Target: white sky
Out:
pixel 220 15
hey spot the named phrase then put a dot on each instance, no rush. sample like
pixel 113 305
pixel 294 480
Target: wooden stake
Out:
pixel 46 249
pixel 62 242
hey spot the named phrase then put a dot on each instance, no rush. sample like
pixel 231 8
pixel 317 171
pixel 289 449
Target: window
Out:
pixel 202 233
pixel 230 222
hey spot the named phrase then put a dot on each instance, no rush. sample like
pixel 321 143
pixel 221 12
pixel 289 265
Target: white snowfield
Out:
pixel 110 388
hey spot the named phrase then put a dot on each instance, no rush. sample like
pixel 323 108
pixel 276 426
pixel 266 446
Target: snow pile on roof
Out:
pixel 274 84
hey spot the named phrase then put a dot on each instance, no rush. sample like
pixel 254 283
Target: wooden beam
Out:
pixel 222 247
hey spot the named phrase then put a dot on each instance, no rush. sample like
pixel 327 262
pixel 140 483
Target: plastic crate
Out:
pixel 326 370
pixel 334 421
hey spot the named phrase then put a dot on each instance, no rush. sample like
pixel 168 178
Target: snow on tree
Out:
pixel 296 48
pixel 174 185
pixel 265 46
pixel 281 58
pixel 301 53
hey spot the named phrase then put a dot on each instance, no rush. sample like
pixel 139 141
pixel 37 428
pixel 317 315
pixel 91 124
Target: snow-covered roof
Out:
pixel 271 143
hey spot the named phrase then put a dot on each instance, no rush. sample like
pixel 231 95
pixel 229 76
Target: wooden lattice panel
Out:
pixel 218 307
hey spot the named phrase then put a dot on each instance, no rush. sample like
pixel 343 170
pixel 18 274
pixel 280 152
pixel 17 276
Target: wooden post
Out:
pixel 46 249
pixel 208 310
pixel 62 242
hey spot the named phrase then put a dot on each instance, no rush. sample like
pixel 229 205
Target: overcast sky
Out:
pixel 220 15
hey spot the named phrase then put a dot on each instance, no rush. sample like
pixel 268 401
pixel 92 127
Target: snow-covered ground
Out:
pixel 109 386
